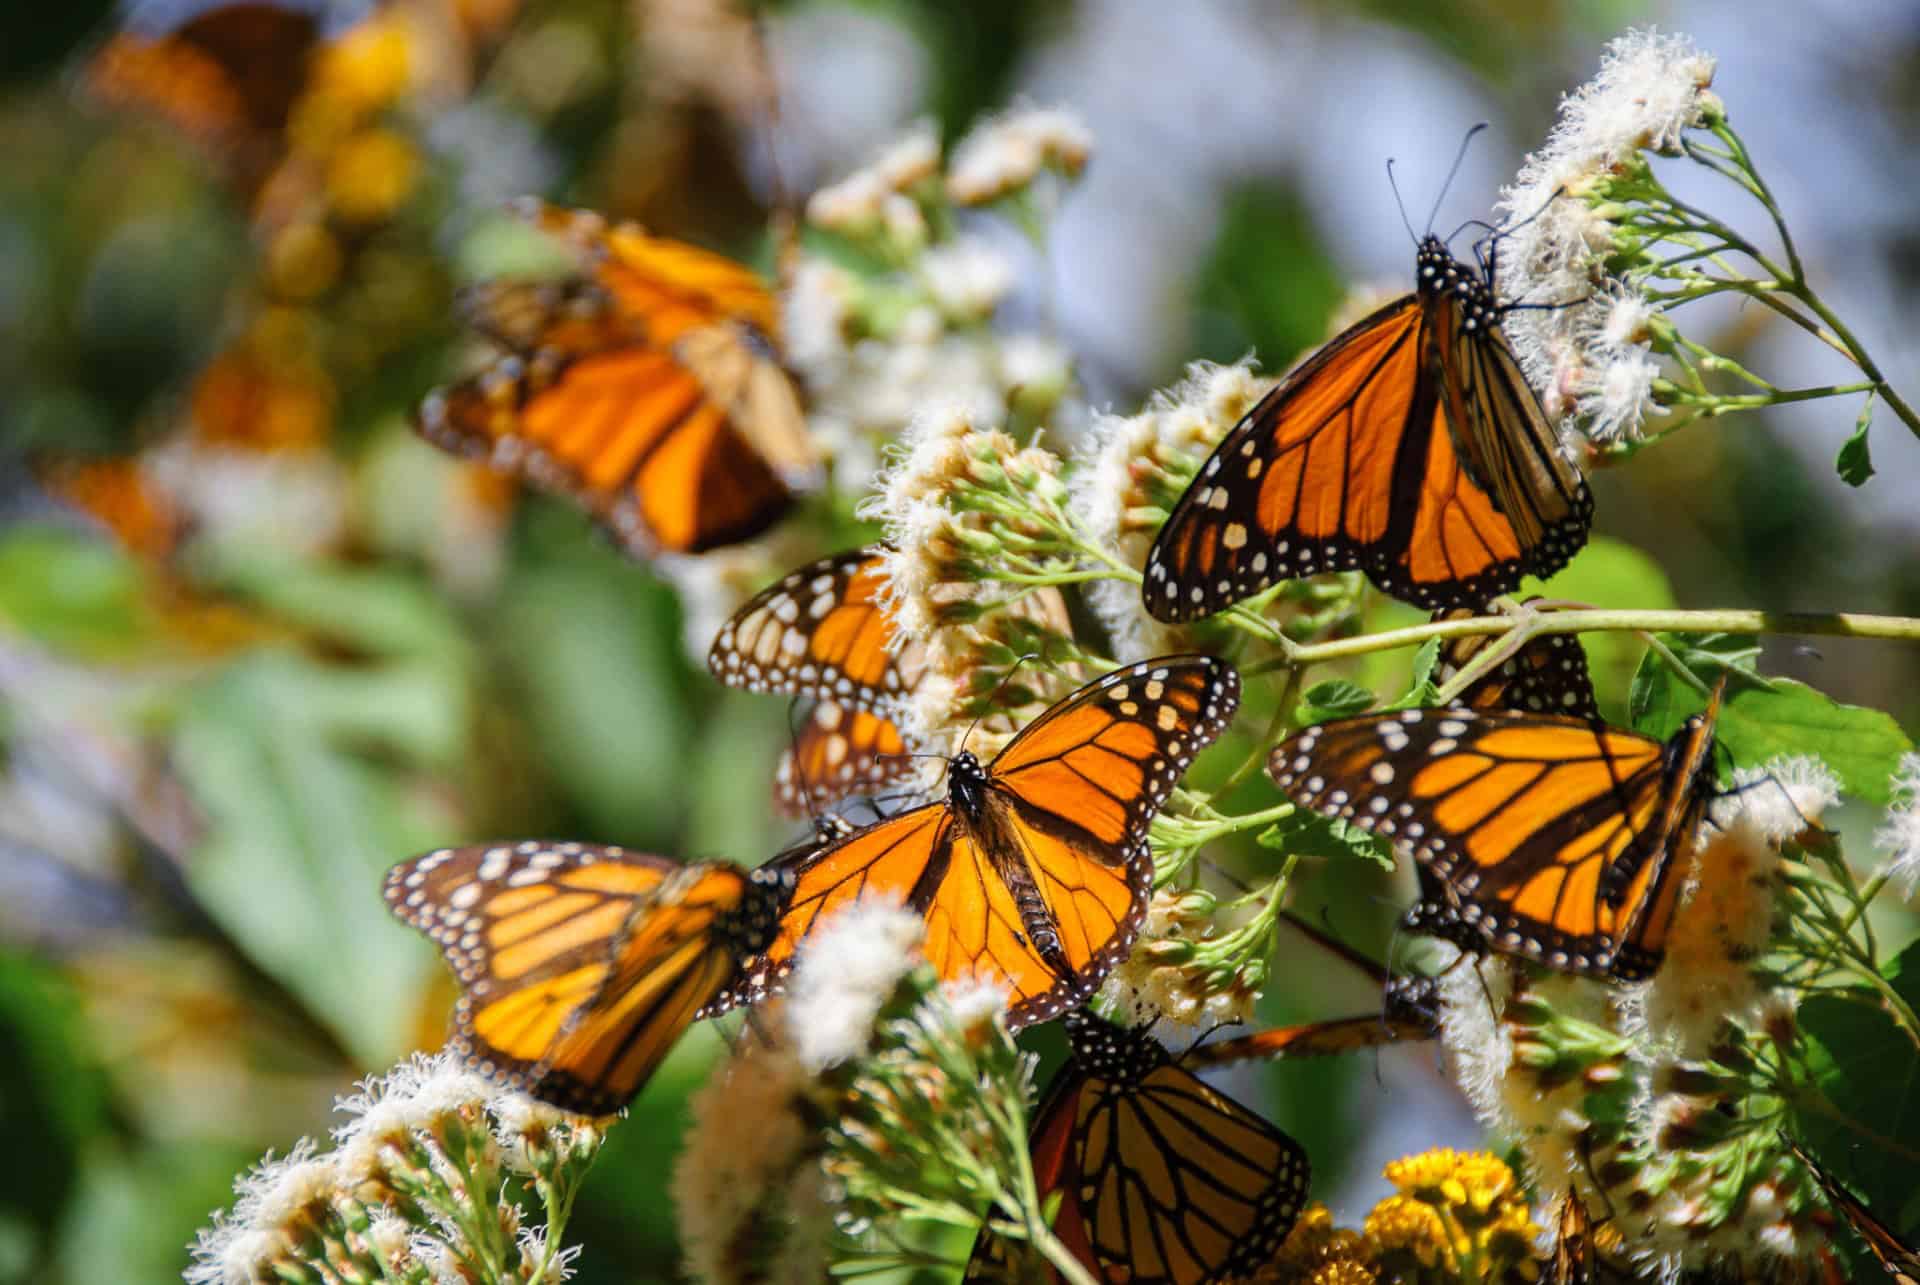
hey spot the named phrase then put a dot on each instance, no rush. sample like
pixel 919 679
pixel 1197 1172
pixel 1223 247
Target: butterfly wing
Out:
pixel 628 434
pixel 1304 484
pixel 1068 805
pixel 1900 1260
pixel 1408 447
pixel 1548 675
pixel 822 631
pixel 839 753
pixel 579 965
pixel 1555 839
pixel 1040 885
pixel 1177 1181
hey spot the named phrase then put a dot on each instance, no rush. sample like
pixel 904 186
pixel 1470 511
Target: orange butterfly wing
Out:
pixel 839 753
pixel 1162 1178
pixel 1409 447
pixel 581 965
pixel 1034 873
pixel 1548 675
pixel 1558 839
pixel 652 410
pixel 822 631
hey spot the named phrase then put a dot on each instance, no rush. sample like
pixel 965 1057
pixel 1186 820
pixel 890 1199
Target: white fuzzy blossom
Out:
pixel 849 966
pixel 1587 348
pixel 1005 153
pixel 968 278
pixel 1899 835
pixel 1166 441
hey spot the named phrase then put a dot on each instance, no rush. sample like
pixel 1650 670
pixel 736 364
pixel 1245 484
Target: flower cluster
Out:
pixel 870 1096
pixel 1184 969
pixel 1655 1102
pixel 1456 1218
pixel 918 326
pixel 424 1184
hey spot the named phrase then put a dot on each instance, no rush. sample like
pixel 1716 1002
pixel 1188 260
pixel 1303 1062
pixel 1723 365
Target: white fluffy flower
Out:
pixel 845 972
pixel 744 1143
pixel 1005 153
pixel 1621 395
pixel 413 1095
pixel 1178 427
pixel 1478 1047
pixel 967 278
pixel 1899 835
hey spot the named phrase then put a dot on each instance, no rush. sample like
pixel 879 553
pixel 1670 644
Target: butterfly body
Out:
pixel 1561 840
pixel 1032 871
pixel 1162 1178
pixel 1410 447
pixel 580 964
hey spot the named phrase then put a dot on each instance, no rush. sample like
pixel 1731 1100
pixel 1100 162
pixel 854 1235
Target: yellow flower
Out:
pixel 371 175
pixel 1318 1253
pixel 1459 1216
pixel 1404 1224
pixel 368 67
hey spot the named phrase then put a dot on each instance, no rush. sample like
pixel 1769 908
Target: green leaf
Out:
pixel 1764 717
pixel 1335 698
pixel 292 762
pixel 52 1101
pixel 1423 662
pixel 1309 834
pixel 68 591
pixel 1855 463
pixel 1869 1070
pixel 1611 573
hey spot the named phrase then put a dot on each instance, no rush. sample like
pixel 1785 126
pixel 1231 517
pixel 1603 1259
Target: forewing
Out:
pixel 1519 824
pixel 1548 675
pixel 822 631
pixel 1304 483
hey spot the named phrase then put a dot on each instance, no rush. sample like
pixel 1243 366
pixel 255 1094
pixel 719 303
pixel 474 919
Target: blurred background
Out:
pixel 258 642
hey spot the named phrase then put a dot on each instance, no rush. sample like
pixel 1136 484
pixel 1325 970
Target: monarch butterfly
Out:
pixel 647 392
pixel 1556 839
pixel 580 965
pixel 1573 1250
pixel 1548 675
pixel 1410 447
pixel 1410 1013
pixel 824 632
pixel 1162 1178
pixel 228 77
pixel 1901 1260
pixel 1033 873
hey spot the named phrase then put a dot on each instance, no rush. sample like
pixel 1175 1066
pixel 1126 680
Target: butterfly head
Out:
pixel 967 785
pixel 755 922
pixel 1115 1054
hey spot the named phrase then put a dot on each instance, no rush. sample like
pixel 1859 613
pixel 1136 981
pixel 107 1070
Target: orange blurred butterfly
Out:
pixel 227 77
pixel 1547 675
pixel 1900 1260
pixel 647 391
pixel 1409 1013
pixel 1161 1178
pixel 1033 873
pixel 1410 447
pixel 1560 840
pixel 824 632
pixel 580 965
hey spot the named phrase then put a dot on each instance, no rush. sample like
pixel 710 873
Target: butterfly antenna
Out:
pixel 1458 157
pixel 1401 205
pixel 994 695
